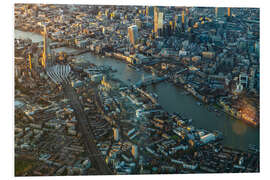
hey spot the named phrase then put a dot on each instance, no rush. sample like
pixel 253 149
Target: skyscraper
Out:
pixel 47 58
pixel 149 11
pixel 133 34
pixel 158 20
pixel 155 19
pixel 44 58
pixel 180 20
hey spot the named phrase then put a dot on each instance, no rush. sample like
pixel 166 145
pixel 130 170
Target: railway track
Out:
pixel 86 131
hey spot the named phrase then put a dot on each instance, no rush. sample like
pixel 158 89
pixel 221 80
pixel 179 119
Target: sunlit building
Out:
pixel 149 11
pixel 133 34
pixel 158 21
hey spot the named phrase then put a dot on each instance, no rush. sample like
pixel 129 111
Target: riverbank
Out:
pixel 128 60
pixel 237 134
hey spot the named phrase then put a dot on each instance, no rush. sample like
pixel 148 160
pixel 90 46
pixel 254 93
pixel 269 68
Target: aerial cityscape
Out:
pixel 119 90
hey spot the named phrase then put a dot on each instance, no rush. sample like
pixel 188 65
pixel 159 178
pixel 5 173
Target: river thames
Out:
pixel 237 134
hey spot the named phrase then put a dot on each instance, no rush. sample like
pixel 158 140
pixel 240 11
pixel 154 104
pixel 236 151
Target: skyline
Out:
pixel 185 65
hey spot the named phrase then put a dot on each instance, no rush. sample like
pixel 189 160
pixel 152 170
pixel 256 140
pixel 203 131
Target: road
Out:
pixel 94 154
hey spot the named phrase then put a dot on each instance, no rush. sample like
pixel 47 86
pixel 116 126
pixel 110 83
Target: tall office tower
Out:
pixel 222 11
pixel 44 57
pixel 176 23
pixel 116 134
pixel 183 17
pixel 155 19
pixel 134 151
pixel 171 25
pixel 180 20
pixel 149 11
pixel 47 59
pixel 158 21
pixel 133 34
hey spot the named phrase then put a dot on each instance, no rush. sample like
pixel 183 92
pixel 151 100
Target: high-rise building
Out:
pixel 158 21
pixel 47 58
pixel 155 19
pixel 133 34
pixel 149 11
pixel 180 20
pixel 183 17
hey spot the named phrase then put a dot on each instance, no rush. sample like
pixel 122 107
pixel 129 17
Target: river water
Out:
pixel 237 134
